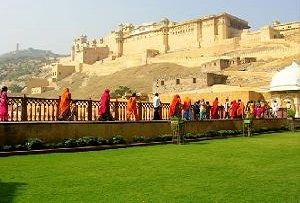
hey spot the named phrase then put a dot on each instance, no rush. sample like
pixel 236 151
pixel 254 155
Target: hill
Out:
pixel 19 66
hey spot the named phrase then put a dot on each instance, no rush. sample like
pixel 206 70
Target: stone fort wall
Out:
pixel 166 36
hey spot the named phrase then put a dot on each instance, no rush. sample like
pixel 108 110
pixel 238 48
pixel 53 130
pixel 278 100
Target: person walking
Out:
pixel 3 104
pixel 156 106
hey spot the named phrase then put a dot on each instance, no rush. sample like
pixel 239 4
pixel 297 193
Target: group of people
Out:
pixel 200 110
pixel 67 110
pixel 235 109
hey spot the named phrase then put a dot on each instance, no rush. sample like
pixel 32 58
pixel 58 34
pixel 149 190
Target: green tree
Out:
pixel 15 88
pixel 120 91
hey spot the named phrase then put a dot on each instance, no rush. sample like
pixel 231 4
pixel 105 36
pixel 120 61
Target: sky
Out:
pixel 53 24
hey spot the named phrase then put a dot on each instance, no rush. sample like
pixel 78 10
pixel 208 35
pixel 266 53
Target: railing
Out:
pixel 45 109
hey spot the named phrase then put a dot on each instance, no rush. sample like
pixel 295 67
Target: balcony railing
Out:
pixel 46 109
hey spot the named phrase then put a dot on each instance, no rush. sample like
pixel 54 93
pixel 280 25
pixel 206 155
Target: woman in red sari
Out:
pixel 3 104
pixel 175 107
pixel 104 110
pixel 64 105
pixel 132 108
pixel 215 109
pixel 233 109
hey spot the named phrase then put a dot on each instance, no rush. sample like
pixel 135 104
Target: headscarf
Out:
pixel 65 101
pixel 104 102
pixel 174 104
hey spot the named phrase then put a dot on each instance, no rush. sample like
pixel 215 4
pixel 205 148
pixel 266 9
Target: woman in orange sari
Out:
pixel 132 108
pixel 175 107
pixel 215 109
pixel 104 110
pixel 241 109
pixel 64 105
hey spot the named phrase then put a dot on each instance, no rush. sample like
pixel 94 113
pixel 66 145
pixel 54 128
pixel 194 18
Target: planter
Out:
pixel 291 123
pixel 247 127
pixel 178 131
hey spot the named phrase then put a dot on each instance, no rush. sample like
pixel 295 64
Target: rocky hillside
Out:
pixel 19 66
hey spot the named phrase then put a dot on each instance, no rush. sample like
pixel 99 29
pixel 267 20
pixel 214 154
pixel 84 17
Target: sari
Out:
pixel 175 108
pixel 240 110
pixel 3 106
pixel 233 109
pixel 187 108
pixel 104 110
pixel 132 108
pixel 214 110
pixel 64 105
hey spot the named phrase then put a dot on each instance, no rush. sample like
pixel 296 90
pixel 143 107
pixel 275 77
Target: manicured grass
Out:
pixel 263 168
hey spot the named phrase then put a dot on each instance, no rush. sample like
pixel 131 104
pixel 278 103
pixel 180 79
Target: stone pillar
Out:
pixel 73 53
pixel 165 32
pixel 119 40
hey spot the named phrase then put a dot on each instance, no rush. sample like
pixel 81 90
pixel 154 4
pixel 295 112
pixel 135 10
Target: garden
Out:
pixel 262 168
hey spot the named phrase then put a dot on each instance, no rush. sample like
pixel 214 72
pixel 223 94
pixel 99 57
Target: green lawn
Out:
pixel 264 168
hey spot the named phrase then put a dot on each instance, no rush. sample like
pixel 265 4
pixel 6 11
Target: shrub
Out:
pixel 7 148
pixel 70 143
pixel 139 139
pixel 291 113
pixel 20 147
pixel 101 141
pixel 34 143
pixel 117 140
pixel 190 136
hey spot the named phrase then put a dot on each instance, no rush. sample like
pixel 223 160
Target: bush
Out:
pixel 116 140
pixel 291 113
pixel 20 147
pixel 138 139
pixel 34 143
pixel 6 148
pixel 70 143
pixel 190 136
pixel 161 138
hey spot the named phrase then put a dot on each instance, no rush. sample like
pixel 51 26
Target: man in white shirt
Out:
pixel 156 106
pixel 275 108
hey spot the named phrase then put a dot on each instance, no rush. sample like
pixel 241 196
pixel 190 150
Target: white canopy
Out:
pixel 287 79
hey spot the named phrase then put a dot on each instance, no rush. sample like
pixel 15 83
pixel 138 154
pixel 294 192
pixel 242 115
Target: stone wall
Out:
pixel 16 133
pixel 60 71
pixel 185 83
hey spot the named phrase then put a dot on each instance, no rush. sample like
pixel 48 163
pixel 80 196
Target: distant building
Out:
pixel 60 71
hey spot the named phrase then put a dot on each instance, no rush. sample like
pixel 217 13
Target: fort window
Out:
pixel 215 64
pixel 177 81
pixel 194 80
pixel 162 83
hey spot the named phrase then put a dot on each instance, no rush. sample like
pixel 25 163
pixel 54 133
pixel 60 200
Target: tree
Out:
pixel 15 88
pixel 120 91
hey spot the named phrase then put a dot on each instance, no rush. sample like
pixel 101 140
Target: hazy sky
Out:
pixel 53 24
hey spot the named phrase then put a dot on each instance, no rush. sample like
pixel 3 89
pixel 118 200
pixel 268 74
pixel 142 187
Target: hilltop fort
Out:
pixel 170 57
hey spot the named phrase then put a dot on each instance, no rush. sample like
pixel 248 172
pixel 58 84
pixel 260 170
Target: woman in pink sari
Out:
pixel 3 104
pixel 104 110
